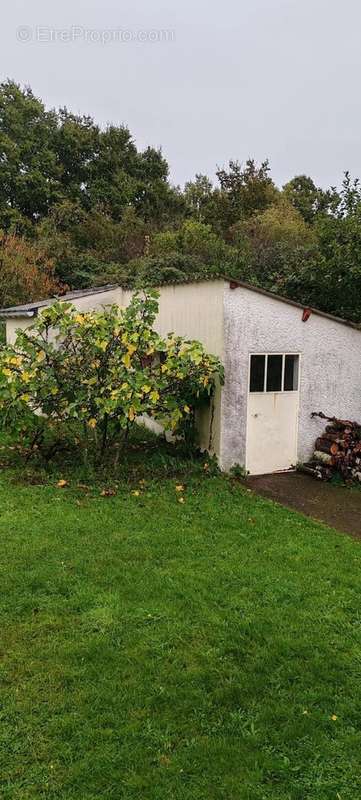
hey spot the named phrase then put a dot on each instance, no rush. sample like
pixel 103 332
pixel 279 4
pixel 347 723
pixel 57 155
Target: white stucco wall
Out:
pixel 232 324
pixel 330 379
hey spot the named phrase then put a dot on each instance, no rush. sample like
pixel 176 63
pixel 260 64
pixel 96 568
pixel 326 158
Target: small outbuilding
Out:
pixel 282 362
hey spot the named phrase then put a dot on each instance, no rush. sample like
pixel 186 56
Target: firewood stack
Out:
pixel 337 451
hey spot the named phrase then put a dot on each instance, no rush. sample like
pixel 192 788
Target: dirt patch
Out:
pixel 337 506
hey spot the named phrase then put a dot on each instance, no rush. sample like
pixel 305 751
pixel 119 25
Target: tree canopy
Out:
pixel 80 205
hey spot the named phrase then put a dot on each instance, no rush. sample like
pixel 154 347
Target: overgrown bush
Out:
pixel 26 271
pixel 97 372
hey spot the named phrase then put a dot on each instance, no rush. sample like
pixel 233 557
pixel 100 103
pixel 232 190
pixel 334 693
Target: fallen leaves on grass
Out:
pixel 108 492
pixel 62 483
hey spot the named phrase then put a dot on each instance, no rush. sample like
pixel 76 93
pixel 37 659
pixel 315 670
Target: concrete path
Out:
pixel 338 506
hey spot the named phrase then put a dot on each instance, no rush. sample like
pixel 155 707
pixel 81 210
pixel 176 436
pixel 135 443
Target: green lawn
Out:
pixel 154 650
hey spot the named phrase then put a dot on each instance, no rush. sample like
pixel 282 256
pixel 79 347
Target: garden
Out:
pixel 165 632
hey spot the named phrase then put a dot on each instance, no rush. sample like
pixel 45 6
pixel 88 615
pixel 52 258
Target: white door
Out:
pixel 272 415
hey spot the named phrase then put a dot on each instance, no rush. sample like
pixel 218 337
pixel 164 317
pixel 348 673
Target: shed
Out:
pixel 282 361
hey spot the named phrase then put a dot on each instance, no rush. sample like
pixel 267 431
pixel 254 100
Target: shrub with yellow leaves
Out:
pixel 101 370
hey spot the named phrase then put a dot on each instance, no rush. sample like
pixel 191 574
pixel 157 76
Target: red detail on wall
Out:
pixel 306 314
pixel 233 285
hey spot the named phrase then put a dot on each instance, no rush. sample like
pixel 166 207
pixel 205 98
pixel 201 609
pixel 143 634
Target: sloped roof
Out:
pixel 30 309
pixel 235 283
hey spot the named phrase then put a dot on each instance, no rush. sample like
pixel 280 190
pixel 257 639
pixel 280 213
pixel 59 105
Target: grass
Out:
pixel 153 650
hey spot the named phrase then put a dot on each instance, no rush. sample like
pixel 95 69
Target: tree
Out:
pixel 247 190
pixel 76 145
pixel 100 371
pixel 52 156
pixel 26 272
pixel 334 283
pixel 30 172
pixel 318 264
pixel 280 222
pixel 347 201
pixel 306 198
pixel 272 246
pixel 99 209
pixel 197 195
pixel 85 245
pixel 194 239
pixel 332 280
pixel 156 201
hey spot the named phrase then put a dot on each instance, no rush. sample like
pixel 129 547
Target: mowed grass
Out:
pixel 153 650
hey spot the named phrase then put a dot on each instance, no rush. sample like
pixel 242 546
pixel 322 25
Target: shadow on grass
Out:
pixel 145 456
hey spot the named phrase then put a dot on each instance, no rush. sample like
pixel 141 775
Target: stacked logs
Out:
pixel 337 451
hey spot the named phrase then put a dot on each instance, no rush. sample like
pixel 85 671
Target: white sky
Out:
pixel 243 78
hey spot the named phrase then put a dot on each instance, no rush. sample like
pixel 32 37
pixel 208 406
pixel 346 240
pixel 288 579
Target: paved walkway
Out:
pixel 338 506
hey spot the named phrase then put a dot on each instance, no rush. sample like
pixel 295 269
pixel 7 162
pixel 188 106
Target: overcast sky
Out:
pixel 277 79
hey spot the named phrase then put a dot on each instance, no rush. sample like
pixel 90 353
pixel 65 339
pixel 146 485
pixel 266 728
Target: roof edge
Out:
pixel 30 309
pixel 12 314
pixel 295 303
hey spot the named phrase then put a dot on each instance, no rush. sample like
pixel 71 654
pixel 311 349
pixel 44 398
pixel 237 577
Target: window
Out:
pixel 257 373
pixel 274 372
pixel 291 373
